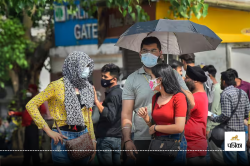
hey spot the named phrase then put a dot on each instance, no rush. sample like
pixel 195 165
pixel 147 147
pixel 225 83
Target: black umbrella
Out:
pixel 176 36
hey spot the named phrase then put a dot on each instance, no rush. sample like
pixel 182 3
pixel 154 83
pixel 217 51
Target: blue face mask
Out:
pixel 85 73
pixel 149 60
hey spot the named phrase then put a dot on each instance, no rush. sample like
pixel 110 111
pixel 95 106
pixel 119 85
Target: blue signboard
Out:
pixel 75 29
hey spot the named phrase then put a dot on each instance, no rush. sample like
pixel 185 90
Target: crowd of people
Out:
pixel 157 102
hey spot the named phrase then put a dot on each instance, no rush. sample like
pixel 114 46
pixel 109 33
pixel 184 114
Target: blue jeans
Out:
pixel 208 156
pixel 181 155
pixel 235 157
pixel 61 157
pixel 113 155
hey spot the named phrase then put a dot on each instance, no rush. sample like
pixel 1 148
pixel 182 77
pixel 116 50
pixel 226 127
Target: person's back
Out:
pixel 235 122
pixel 195 128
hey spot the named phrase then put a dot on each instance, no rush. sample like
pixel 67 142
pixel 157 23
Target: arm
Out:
pixel 126 118
pixel 190 98
pixel 185 89
pixel 111 108
pixel 225 110
pixel 176 128
pixel 99 106
pixel 15 113
pixel 36 102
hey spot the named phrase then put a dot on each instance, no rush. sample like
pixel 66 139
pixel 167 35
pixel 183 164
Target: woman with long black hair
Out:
pixel 169 113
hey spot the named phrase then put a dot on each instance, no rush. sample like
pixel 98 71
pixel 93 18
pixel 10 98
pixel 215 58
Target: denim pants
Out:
pixel 113 154
pixel 181 155
pixel 59 156
pixel 235 157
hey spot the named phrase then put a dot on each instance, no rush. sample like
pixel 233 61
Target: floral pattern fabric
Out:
pixel 55 95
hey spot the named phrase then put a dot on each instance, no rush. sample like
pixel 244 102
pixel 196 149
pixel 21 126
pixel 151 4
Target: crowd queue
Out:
pixel 157 103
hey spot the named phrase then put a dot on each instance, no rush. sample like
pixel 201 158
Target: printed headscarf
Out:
pixel 73 67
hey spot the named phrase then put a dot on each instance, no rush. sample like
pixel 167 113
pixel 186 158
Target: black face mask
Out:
pixel 106 83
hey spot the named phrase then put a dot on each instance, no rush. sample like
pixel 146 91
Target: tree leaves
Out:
pixel 185 8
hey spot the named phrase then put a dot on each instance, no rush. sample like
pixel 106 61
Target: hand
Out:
pixel 211 117
pixel 56 137
pixel 152 130
pixel 143 112
pixel 130 146
pixel 11 113
pixel 245 122
pixel 207 134
pixel 92 157
pixel 248 143
pixel 6 141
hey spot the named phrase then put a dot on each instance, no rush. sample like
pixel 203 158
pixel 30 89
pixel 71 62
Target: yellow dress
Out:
pixel 54 94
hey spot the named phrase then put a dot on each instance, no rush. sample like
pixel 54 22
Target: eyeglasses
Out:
pixel 153 51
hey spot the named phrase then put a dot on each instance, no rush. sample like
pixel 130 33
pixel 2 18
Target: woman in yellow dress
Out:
pixel 70 101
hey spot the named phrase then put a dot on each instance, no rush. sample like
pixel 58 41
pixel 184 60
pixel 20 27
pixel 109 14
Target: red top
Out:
pixel 195 129
pixel 26 118
pixel 165 115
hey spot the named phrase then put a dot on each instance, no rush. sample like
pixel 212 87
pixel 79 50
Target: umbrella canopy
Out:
pixel 176 36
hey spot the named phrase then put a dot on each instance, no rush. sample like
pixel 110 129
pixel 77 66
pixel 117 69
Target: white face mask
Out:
pixel 28 94
pixel 85 73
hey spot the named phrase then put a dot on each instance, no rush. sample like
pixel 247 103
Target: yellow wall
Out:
pixel 229 25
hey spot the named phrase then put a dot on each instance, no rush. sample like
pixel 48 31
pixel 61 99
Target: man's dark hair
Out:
pixel 113 69
pixel 228 77
pixel 151 40
pixel 210 69
pixel 176 64
pixel 188 58
pixel 234 71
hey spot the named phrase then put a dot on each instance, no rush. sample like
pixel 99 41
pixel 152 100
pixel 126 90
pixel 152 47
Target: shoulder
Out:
pixel 133 75
pixel 179 97
pixel 59 81
pixel 117 91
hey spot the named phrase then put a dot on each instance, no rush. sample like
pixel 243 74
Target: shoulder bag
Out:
pixel 217 133
pixel 164 148
pixel 79 147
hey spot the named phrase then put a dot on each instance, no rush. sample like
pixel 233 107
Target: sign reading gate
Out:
pixel 75 29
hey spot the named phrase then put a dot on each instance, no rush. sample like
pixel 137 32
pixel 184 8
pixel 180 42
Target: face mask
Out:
pixel 28 94
pixel 106 83
pixel 149 60
pixel 85 73
pixel 153 84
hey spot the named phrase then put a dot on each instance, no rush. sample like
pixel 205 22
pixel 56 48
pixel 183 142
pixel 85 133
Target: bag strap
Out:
pixel 156 98
pixel 235 109
pixel 58 128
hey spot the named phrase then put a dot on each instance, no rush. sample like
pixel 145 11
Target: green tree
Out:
pixel 23 56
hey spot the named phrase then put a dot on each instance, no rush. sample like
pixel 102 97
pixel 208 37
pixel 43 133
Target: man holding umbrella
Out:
pixel 136 94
